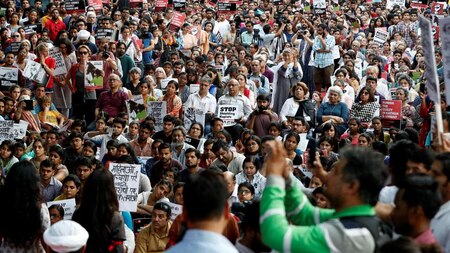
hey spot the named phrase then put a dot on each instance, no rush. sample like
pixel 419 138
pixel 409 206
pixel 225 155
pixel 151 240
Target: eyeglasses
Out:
pixel 16 36
pixel 365 93
pixel 243 192
pixel 53 216
pixel 83 52
pixel 113 79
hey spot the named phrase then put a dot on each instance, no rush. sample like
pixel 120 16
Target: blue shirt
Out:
pixel 323 60
pixel 202 241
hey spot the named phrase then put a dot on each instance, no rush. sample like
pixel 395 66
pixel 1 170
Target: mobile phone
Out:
pixel 29 105
pixel 311 151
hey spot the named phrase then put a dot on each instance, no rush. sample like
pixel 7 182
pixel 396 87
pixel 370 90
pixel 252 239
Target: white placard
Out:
pixel 175 210
pixel 93 74
pixel 228 113
pixel 60 64
pixel 34 71
pixel 126 181
pixel 136 108
pixel 303 144
pixel 192 115
pixel 69 206
pixel 194 88
pixel 165 82
pixel 391 3
pixel 9 76
pixel 20 129
pixel 157 109
pixel 380 36
pixel 444 25
pixel 6 128
pixel 430 74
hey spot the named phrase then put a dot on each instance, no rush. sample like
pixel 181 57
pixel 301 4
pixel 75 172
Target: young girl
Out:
pixel 379 134
pixel 7 150
pixel 250 173
pixel 290 144
pixel 246 192
pixel 275 130
pixel 326 146
pixel 71 188
pixel 365 140
pixel 56 155
pixel 352 133
pixel 40 153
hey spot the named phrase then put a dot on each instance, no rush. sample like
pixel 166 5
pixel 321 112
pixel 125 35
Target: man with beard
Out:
pixel 54 25
pixel 261 118
pixel 178 147
pixel 352 191
pixel 125 61
pixel 166 133
pixel 226 158
pixel 192 158
pixel 154 237
pixel 142 146
pixel 165 162
pixel 416 203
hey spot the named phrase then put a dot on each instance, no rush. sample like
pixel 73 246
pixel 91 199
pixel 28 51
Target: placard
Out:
pixel 103 33
pixel 75 6
pixel 60 68
pixel 93 74
pixel 126 182
pixel 36 28
pixel 136 108
pixel 193 88
pixel 430 74
pixel 20 130
pixel 15 46
pixel 97 4
pixel 34 71
pixel 437 8
pixel 179 5
pixel 391 109
pixel 165 82
pixel 9 76
pixel 391 3
pixel 444 25
pixel 175 210
pixel 177 21
pixel 160 5
pixel 69 206
pixel 228 114
pixel 157 109
pixel 226 8
pixel 6 127
pixel 194 115
pixel 380 36
pixel 136 3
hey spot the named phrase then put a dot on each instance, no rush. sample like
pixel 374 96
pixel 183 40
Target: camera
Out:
pixel 285 20
pixel 303 32
pixel 105 53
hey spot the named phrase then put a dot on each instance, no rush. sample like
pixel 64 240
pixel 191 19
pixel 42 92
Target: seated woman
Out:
pixel 298 105
pixel 50 118
pixel 71 188
pixel 366 108
pixel 334 111
pixel 250 173
pixel 246 192
pixel 147 200
pixel 408 111
pixel 24 113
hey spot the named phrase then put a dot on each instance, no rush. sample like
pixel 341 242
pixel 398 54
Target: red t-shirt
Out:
pixel 51 63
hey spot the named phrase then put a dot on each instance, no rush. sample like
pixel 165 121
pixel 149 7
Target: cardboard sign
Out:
pixel 157 109
pixel 126 182
pixel 69 206
pixel 34 71
pixel 60 68
pixel 93 74
pixel 6 127
pixel 75 6
pixel 391 3
pixel 97 4
pixel 226 8
pixel 136 108
pixel 228 114
pixel 381 36
pixel 194 115
pixel 430 74
pixel 8 76
pixel 177 21
pixel 391 109
pixel 444 25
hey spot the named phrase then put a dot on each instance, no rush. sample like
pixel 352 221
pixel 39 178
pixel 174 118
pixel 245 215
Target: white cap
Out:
pixel 66 236
pixel 83 35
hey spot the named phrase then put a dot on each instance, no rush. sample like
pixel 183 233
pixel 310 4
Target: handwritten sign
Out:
pixel 19 130
pixel 444 24
pixel 5 130
pixel 126 181
pixel 69 206
pixel 9 76
pixel 193 115
pixel 175 210
pixel 60 68
pixel 430 74
pixel 228 114
pixel 157 109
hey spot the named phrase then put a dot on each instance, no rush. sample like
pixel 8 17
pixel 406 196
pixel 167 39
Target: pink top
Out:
pixel 426 238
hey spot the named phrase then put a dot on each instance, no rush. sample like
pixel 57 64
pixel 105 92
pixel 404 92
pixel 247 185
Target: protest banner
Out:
pixel 97 4
pixel 380 36
pixel 194 115
pixel 157 109
pixel 15 46
pixel 391 112
pixel 6 127
pixel 430 74
pixel 228 114
pixel 191 141
pixel 226 8
pixel 34 71
pixel 60 68
pixel 75 6
pixel 165 82
pixel 193 88
pixel 419 4
pixel 438 9
pixel 175 210
pixel 19 130
pixel 69 206
pixel 444 24
pixel 177 21
pixel 179 5
pixel 391 3
pixel 9 76
pixel 319 6
pixel 104 33
pixel 93 74
pixel 160 5
pixel 136 3
pixel 126 182
pixel 136 108
pixel 35 28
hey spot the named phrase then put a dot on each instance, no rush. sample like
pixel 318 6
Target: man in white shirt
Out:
pixel 382 87
pixel 102 139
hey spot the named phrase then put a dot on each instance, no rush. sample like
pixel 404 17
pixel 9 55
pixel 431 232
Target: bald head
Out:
pixel 230 179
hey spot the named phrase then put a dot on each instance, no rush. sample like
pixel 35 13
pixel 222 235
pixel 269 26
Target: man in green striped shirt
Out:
pixel 290 223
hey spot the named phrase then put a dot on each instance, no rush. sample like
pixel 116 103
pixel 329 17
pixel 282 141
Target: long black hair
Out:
pixel 20 205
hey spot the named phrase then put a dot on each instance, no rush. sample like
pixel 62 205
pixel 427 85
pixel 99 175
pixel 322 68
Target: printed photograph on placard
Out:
pixel 94 74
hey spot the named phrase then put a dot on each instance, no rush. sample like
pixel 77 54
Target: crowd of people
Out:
pixel 289 149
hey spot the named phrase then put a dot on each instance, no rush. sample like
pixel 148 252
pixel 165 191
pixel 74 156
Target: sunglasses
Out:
pixel 83 52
